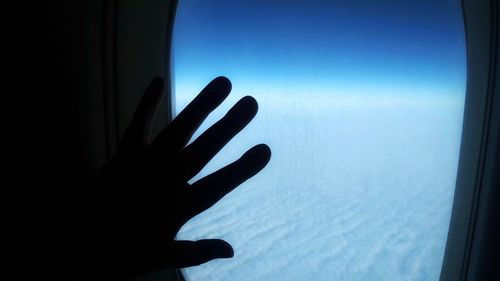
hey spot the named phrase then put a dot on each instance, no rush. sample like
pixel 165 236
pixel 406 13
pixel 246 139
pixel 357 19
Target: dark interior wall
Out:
pixel 485 254
pixel 54 70
pixel 55 133
pixel 74 72
pixel 472 251
pixel 143 35
pixel 82 67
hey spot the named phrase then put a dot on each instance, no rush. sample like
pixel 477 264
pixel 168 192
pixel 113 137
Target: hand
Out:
pixel 141 198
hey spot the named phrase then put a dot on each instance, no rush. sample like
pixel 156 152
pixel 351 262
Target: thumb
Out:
pixel 179 254
pixel 192 253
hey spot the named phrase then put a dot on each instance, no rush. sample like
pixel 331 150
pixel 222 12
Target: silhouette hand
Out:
pixel 142 197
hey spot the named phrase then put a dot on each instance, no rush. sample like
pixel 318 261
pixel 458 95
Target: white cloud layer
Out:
pixel 357 189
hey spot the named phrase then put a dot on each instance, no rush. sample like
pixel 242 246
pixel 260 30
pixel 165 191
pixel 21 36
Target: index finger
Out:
pixel 209 190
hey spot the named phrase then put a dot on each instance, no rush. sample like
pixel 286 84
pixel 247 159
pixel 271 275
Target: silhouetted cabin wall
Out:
pixel 471 252
pixel 99 56
pixel 77 70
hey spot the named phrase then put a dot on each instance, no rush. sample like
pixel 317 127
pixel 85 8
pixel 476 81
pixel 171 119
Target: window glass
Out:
pixel 361 103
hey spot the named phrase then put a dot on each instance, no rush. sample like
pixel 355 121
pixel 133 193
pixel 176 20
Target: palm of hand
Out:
pixel 144 197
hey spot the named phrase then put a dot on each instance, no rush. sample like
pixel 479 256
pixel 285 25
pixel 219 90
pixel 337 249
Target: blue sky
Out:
pixel 310 47
pixel 365 189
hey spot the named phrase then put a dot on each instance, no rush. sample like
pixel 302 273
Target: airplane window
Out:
pixel 361 103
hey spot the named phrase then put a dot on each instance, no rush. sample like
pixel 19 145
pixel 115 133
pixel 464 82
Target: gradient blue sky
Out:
pixel 310 47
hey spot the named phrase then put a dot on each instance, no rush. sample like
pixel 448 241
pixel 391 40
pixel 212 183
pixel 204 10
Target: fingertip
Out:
pixel 223 81
pixel 222 85
pixel 246 107
pixel 157 79
pixel 155 91
pixel 266 151
pixel 226 251
pixel 251 102
pixel 216 248
pixel 158 83
pixel 259 155
pixel 213 94
pixel 263 151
